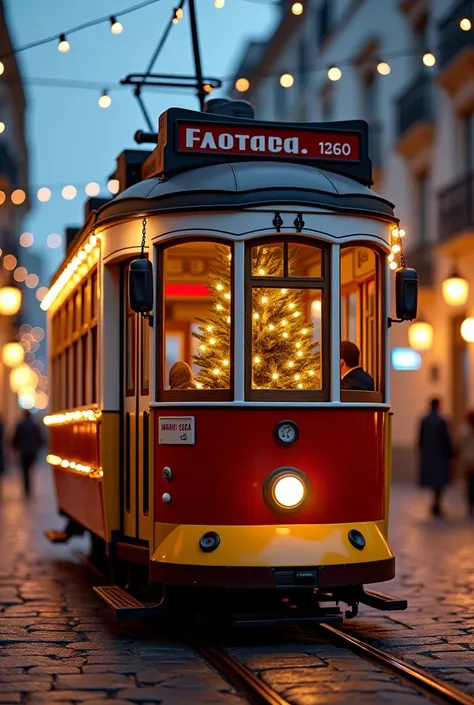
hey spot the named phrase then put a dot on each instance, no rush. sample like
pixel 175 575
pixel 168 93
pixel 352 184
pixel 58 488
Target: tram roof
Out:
pixel 243 184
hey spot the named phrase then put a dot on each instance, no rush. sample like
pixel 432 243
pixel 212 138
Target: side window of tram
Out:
pixel 197 316
pixel 286 316
pixel 360 306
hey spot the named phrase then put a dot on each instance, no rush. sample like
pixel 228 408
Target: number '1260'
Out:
pixel 335 148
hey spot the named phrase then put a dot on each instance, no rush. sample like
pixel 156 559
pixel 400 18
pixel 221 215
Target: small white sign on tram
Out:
pixel 176 430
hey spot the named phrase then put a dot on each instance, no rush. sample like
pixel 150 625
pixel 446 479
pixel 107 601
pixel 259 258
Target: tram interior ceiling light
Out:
pixel 455 289
pixel 12 354
pixel 63 44
pixel 420 335
pixel 10 300
pixel 467 330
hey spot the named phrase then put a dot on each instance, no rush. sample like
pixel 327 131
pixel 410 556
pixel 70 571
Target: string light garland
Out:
pixel 78 28
pixel 396 246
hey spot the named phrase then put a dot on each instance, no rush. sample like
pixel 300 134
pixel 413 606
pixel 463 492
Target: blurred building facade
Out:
pixel 13 177
pixel 422 147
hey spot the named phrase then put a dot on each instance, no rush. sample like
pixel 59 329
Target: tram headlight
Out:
pixel 286 489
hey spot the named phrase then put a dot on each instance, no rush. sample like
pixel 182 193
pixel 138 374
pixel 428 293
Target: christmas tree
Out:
pixel 284 354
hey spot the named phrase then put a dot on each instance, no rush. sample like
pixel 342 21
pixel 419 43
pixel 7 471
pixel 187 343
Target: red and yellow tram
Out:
pixel 199 429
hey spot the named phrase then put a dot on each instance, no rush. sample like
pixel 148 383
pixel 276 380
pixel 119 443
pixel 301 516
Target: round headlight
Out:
pixel 286 489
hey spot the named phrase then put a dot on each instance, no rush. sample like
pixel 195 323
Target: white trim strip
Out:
pixel 335 314
pixel 274 404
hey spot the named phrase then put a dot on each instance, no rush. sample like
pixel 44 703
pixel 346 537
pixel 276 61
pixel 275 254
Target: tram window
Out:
pixel 94 365
pixel 286 338
pixel 94 294
pixel 70 318
pixel 77 311
pixel 197 317
pixel 131 354
pixel 69 379
pixel 361 307
pixel 267 260
pixel 304 260
pixel 76 378
pixel 85 369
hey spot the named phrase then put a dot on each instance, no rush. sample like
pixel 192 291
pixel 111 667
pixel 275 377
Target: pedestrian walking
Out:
pixel 436 453
pixel 27 441
pixel 466 458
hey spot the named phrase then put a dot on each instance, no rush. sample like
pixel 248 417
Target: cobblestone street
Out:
pixel 59 643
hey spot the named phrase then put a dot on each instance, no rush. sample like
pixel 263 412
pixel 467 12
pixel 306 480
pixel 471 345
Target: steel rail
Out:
pixel 242 678
pixel 403 670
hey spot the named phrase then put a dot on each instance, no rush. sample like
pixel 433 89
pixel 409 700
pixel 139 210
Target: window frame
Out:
pixel 197 395
pixel 322 283
pixel 380 317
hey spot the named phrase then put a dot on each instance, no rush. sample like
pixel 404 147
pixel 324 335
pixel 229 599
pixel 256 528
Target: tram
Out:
pixel 200 430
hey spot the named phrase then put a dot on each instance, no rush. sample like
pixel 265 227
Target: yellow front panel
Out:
pixel 266 546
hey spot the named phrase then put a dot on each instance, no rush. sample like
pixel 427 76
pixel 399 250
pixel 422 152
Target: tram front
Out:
pixel 271 261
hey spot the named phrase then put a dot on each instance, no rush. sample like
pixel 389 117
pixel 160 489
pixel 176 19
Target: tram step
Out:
pixel 57 536
pixel 124 605
pixel 386 603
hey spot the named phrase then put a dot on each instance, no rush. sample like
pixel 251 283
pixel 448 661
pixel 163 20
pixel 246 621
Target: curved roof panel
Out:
pixel 243 184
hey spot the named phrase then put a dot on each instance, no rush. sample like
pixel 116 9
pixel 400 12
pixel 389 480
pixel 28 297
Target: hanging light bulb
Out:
pixel 297 8
pixel 429 59
pixel 105 101
pixel 219 4
pixel 2 67
pixel 242 85
pixel 116 27
pixel 455 289
pixel 383 68
pixel 286 80
pixel 63 44
pixel 465 24
pixel 467 330
pixel 334 73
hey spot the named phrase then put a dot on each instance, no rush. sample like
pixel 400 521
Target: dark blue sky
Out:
pixel 71 139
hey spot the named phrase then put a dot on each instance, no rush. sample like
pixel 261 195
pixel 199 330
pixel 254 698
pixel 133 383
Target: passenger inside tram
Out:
pixel 353 375
pixel 181 376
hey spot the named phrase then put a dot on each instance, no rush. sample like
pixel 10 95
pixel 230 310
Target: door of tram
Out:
pixel 135 420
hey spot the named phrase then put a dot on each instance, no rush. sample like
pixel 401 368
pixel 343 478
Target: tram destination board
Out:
pixel 189 139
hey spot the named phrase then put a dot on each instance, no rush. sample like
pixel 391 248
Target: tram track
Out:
pixel 258 692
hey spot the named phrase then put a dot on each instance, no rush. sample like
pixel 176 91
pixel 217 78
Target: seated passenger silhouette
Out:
pixel 353 377
pixel 181 376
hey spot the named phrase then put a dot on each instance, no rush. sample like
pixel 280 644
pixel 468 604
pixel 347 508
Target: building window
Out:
pixel 287 321
pixel 422 194
pixel 467 132
pixel 197 321
pixel 326 102
pixel 325 20
pixel 303 65
pixel 361 301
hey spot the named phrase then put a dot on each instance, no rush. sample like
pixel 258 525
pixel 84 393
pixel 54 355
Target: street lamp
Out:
pixel 467 330
pixel 10 300
pixel 12 354
pixel 455 289
pixel 420 336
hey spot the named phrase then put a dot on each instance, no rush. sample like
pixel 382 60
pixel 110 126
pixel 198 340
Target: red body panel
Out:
pixel 76 441
pixel 80 497
pixel 219 480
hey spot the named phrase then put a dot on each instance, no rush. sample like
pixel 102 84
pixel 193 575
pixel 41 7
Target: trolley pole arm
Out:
pixel 197 54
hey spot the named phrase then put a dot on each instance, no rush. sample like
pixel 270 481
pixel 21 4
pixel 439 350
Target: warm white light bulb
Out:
pixel 286 80
pixel 297 8
pixel 116 27
pixel 105 101
pixel 383 68
pixel 429 59
pixel 219 4
pixel 465 24
pixel 63 44
pixel 334 73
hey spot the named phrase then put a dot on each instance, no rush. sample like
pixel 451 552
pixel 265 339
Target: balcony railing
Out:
pixel 452 39
pixel 416 104
pixel 456 208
